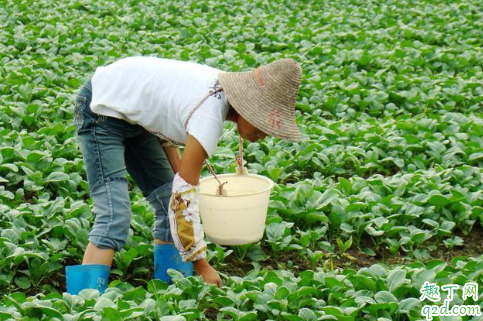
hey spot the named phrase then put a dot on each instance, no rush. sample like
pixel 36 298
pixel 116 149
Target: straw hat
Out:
pixel 266 97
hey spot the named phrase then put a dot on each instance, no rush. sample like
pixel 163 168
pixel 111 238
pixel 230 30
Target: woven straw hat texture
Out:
pixel 266 97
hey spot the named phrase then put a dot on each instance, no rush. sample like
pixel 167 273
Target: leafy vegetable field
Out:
pixel 383 194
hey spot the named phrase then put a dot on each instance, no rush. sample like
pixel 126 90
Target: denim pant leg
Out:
pixel 149 167
pixel 102 144
pixel 159 199
pixel 113 214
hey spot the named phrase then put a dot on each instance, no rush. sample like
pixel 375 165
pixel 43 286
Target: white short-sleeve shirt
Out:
pixel 159 95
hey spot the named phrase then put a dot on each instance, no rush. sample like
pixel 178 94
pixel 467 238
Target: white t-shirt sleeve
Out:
pixel 207 131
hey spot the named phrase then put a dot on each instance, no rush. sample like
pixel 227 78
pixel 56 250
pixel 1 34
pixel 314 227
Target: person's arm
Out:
pixel 184 214
pixel 174 156
pixel 194 156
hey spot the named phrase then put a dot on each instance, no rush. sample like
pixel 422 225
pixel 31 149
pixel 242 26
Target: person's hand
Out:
pixel 209 274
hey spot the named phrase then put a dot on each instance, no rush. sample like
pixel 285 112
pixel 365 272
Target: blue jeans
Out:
pixel 112 148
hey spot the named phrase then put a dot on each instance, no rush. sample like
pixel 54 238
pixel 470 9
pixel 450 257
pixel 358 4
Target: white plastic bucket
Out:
pixel 239 217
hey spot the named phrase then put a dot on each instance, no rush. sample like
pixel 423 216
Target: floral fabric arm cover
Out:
pixel 184 219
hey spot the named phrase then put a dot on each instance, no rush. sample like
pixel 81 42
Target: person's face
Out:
pixel 248 131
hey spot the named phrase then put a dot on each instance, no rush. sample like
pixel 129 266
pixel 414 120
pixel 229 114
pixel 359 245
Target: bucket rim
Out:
pixel 266 179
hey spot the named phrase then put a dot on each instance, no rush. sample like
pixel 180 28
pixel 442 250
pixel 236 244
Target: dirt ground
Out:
pixel 356 258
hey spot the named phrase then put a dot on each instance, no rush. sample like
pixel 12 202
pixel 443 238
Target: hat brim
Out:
pixel 261 105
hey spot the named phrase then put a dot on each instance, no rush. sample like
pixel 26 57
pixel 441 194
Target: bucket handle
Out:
pixel 240 169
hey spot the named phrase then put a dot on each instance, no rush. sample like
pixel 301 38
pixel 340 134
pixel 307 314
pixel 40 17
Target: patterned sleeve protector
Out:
pixel 184 220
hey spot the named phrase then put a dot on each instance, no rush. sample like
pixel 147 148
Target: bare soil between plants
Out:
pixel 355 258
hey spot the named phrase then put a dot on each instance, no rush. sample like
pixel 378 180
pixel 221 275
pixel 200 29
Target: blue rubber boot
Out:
pixel 89 276
pixel 166 256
